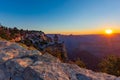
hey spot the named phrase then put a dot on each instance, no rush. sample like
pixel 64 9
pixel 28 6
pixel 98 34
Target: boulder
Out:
pixel 15 51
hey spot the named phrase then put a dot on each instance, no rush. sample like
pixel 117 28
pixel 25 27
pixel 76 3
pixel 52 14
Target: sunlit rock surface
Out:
pixel 18 63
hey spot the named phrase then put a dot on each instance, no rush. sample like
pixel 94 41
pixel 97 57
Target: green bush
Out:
pixel 28 42
pixel 56 52
pixel 110 65
pixel 80 63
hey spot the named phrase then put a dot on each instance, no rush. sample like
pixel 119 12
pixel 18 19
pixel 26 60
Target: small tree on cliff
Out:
pixel 80 63
pixel 110 65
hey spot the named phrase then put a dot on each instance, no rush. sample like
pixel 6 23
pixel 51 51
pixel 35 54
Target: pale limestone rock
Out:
pixel 17 63
pixel 117 78
pixel 49 58
pixel 14 51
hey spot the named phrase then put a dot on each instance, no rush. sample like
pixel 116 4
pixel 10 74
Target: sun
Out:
pixel 108 31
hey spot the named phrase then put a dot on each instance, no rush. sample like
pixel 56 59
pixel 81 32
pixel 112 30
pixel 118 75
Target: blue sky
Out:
pixel 61 16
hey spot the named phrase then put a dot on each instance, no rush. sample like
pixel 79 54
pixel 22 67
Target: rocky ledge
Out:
pixel 18 63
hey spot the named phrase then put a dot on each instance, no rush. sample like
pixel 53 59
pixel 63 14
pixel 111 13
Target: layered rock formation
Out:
pixel 18 63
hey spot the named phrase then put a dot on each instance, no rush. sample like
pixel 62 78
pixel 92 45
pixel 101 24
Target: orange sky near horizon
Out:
pixel 86 32
pixel 99 29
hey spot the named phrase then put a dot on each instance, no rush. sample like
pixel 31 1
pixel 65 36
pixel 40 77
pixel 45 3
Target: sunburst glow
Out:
pixel 108 31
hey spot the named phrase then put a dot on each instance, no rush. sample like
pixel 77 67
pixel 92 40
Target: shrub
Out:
pixel 110 65
pixel 80 63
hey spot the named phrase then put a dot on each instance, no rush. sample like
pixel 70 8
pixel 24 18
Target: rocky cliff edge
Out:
pixel 18 63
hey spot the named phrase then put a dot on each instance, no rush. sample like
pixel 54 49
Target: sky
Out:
pixel 62 16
